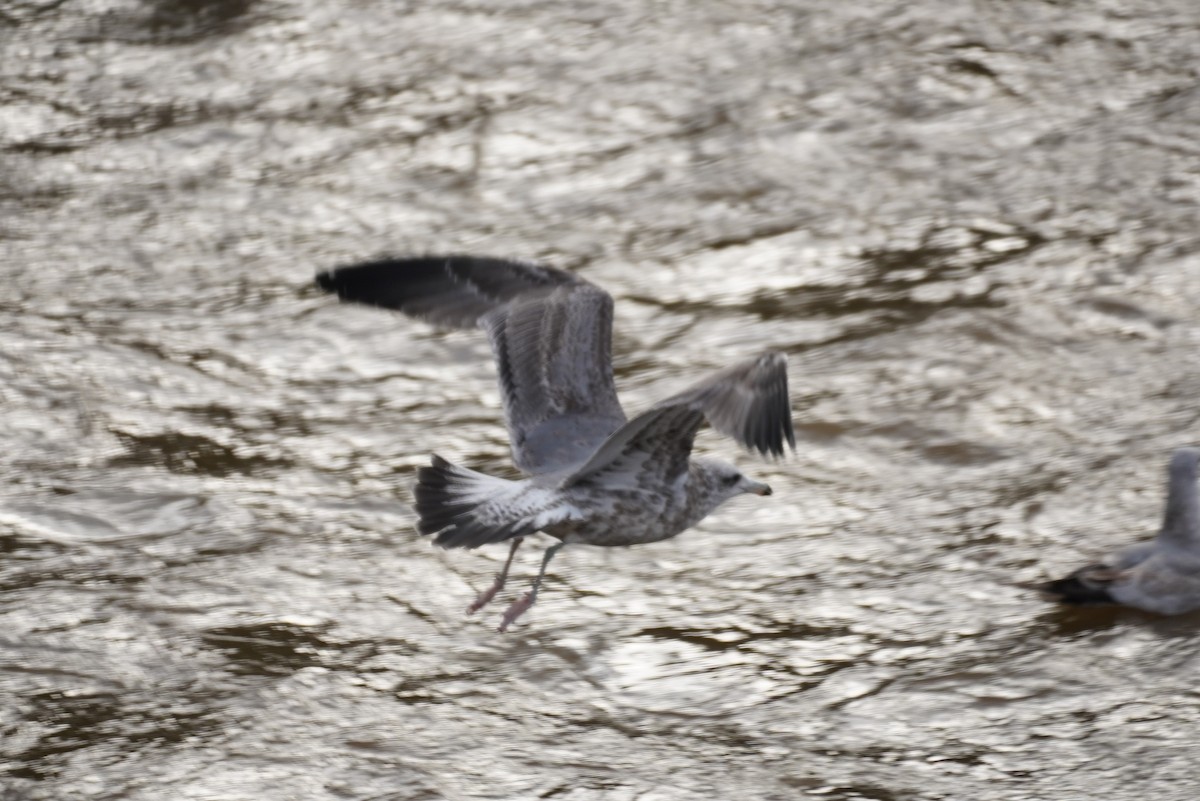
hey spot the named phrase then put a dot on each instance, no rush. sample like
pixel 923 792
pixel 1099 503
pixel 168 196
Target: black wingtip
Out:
pixel 398 284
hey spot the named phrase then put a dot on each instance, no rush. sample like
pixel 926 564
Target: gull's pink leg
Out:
pixel 519 607
pixel 515 610
pixel 497 585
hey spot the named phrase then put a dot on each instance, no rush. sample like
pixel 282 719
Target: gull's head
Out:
pixel 728 481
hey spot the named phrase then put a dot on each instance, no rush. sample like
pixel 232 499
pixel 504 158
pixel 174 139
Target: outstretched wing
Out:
pixel 748 401
pixel 551 334
pixel 450 291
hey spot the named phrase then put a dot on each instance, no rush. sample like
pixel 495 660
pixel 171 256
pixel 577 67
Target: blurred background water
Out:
pixel 972 226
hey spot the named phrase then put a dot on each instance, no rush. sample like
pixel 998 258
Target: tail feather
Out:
pixel 445 492
pixel 466 509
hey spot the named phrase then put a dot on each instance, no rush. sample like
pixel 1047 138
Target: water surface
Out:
pixel 972 228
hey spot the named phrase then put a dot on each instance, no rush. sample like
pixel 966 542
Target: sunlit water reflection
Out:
pixel 973 233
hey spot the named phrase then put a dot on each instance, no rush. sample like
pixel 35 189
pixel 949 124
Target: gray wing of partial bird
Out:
pixel 1181 522
pixel 747 401
pixel 551 334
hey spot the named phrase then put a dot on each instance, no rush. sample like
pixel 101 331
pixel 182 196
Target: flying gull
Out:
pixel 593 476
pixel 1159 575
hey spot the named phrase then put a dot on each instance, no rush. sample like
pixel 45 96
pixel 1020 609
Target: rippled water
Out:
pixel 972 227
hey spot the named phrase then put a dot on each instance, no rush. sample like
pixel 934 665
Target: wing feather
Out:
pixel 1181 521
pixel 748 401
pixel 550 331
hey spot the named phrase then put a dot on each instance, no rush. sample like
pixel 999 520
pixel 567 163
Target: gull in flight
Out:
pixel 592 476
pixel 1159 575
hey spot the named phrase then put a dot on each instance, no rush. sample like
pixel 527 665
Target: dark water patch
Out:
pixel 125 721
pixel 962 453
pixel 268 648
pixel 30 193
pixel 906 285
pixel 853 792
pixel 749 237
pixel 1124 310
pixel 19 547
pixel 735 639
pixel 425 689
pixel 942 249
pixel 176 20
pixel 823 432
pixel 251 424
pixel 190 454
pixel 28 562
pixel 890 287
pixel 972 66
pixel 170 22
pixel 1038 481
pixel 18 12
pixel 115 120
pixel 935 445
pixel 69 572
pixel 882 306
pixel 1073 622
pixel 55 146
pixel 136 119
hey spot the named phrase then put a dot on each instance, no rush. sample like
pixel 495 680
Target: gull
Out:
pixel 1159 575
pixel 591 475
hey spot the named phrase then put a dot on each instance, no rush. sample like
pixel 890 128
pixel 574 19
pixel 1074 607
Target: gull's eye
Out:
pixel 729 481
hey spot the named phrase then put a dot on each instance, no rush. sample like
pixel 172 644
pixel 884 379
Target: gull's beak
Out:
pixel 758 489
